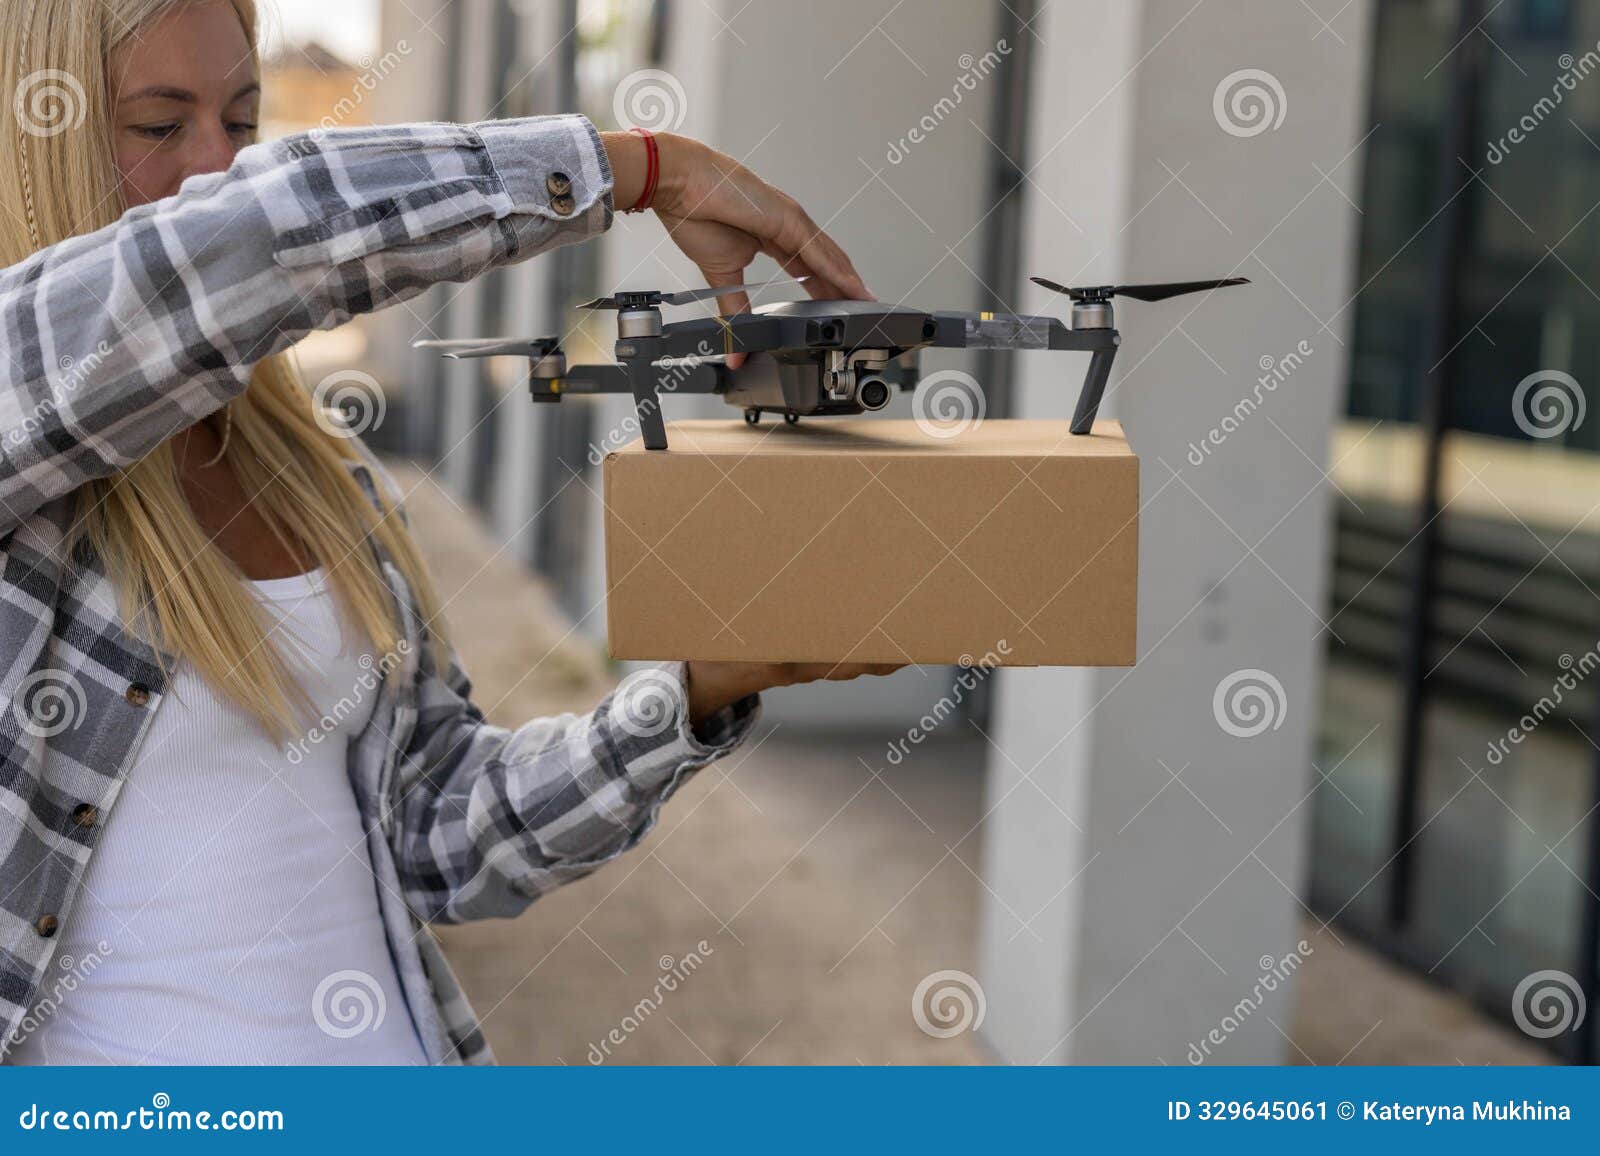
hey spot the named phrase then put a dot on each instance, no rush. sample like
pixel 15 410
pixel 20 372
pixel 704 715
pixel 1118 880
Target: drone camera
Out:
pixel 872 392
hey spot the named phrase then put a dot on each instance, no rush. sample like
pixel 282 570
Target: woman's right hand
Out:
pixel 722 215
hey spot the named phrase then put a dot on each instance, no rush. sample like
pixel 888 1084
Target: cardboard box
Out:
pixel 871 540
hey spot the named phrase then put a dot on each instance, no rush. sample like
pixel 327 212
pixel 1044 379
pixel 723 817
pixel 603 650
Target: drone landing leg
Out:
pixel 648 406
pixel 1094 388
pixel 642 382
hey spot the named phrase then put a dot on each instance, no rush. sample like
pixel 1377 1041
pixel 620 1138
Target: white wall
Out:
pixel 1149 909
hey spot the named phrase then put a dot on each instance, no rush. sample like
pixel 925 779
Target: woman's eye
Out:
pixel 242 128
pixel 156 131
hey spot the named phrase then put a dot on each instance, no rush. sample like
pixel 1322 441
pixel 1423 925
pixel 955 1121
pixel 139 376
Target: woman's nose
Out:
pixel 211 150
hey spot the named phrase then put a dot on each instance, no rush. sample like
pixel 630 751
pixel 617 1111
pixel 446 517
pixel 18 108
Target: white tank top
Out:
pixel 229 914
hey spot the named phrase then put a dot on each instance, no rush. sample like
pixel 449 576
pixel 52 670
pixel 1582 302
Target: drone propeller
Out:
pixel 645 298
pixel 1155 292
pixel 463 347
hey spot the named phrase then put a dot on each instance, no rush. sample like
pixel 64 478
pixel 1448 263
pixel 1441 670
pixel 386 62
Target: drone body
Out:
pixel 808 358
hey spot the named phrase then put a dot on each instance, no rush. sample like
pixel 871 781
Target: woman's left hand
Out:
pixel 714 685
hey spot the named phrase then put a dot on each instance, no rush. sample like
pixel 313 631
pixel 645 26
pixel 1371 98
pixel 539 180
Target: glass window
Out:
pixel 1496 865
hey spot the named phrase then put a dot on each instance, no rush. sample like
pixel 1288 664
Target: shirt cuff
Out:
pixel 552 166
pixel 649 717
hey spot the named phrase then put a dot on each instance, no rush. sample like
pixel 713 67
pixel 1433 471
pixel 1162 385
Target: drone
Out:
pixel 807 358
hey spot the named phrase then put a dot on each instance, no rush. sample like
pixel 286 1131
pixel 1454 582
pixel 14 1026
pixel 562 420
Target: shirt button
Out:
pixel 563 204
pixel 86 814
pixel 137 693
pixel 558 184
pixel 46 927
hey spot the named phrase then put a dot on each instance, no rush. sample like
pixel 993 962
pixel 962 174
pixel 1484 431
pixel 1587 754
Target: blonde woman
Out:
pixel 193 570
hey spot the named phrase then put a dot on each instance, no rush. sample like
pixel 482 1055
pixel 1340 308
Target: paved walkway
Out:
pixel 819 893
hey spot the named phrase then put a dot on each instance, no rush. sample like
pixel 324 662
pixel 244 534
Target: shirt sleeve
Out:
pixel 121 338
pixel 490 819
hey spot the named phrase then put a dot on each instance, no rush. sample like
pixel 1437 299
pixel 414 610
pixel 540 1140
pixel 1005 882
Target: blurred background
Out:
pixel 1341 810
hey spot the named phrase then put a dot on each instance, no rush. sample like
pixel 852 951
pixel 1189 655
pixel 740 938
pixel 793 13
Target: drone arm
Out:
pixel 1007 331
pixel 720 336
pixel 592 379
pixel 1013 331
pixel 675 377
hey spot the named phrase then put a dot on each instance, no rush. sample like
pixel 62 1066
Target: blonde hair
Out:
pixel 176 587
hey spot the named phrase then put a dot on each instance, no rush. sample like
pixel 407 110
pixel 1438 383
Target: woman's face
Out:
pixel 186 98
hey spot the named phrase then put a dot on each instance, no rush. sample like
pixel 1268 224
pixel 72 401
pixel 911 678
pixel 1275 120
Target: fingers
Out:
pixel 863 669
pixel 789 235
pixel 845 671
pixel 817 284
pixel 799 238
pixel 819 287
pixel 729 303
pixel 726 215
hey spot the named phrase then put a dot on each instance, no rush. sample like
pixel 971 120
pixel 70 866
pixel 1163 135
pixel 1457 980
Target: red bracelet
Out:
pixel 652 170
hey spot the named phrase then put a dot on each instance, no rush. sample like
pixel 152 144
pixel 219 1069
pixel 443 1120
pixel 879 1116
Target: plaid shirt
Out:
pixel 116 341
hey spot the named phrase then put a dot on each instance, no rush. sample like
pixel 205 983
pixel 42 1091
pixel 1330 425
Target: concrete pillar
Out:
pixel 1145 856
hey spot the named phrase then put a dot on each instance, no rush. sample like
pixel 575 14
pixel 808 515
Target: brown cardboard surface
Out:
pixel 870 540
